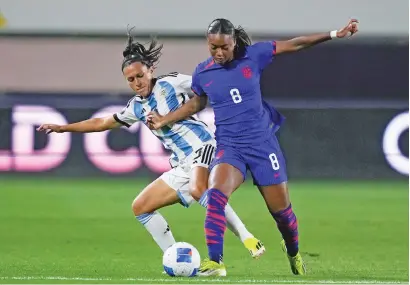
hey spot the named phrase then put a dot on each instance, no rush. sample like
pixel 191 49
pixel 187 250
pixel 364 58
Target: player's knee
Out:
pixel 227 190
pixel 276 197
pixel 197 190
pixel 138 206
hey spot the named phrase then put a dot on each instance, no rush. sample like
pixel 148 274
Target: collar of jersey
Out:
pixel 139 98
pixel 217 65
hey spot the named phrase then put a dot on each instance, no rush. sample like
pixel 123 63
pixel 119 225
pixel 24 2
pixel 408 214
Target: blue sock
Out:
pixel 215 224
pixel 288 226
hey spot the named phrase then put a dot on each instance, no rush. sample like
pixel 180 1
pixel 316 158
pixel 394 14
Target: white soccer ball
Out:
pixel 181 259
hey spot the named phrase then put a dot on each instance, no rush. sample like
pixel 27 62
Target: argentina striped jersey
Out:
pixel 169 93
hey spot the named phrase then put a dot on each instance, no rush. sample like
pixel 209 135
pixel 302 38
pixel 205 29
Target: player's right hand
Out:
pixel 154 120
pixel 349 30
pixel 49 128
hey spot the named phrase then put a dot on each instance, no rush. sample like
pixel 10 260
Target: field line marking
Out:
pixel 191 280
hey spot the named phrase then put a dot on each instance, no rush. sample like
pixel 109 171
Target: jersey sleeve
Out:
pixel 196 86
pixel 185 82
pixel 127 116
pixel 263 53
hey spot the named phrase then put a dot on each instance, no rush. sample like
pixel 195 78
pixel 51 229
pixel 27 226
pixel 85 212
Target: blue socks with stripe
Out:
pixel 215 224
pixel 288 226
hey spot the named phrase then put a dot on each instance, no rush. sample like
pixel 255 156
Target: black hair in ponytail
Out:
pixel 137 52
pixel 225 27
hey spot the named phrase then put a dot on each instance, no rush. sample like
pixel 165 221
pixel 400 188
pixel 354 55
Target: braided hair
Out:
pixel 137 52
pixel 225 27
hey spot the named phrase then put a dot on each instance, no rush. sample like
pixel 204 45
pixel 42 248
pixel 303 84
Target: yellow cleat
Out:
pixel 296 262
pixel 211 268
pixel 255 247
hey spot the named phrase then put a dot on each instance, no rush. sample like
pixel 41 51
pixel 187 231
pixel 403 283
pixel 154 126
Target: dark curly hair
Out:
pixel 136 52
pixel 225 27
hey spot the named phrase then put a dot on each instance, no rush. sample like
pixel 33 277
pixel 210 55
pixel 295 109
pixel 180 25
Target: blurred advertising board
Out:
pixel 353 143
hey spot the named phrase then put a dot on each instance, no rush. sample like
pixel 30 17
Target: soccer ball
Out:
pixel 181 259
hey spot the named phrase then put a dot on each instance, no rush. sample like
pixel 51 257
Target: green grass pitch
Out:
pixel 83 231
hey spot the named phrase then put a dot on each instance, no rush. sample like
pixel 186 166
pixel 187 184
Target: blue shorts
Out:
pixel 265 161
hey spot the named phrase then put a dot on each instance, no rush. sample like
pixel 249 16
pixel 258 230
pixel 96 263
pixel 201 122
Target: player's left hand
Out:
pixel 349 30
pixel 154 120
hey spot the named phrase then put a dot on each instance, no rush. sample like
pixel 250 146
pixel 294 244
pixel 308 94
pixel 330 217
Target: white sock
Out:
pixel 233 222
pixel 158 227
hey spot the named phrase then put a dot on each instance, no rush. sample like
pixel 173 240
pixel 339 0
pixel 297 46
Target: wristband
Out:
pixel 333 34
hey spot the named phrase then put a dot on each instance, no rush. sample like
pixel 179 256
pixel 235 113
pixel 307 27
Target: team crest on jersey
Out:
pixel 247 72
pixel 163 92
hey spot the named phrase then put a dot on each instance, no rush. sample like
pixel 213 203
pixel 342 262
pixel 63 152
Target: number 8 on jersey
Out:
pixel 236 96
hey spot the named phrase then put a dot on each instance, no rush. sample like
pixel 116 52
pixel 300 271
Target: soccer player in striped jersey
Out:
pixel 245 131
pixel 191 142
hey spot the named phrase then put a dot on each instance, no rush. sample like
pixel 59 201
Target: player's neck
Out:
pixel 149 90
pixel 226 63
pixel 151 87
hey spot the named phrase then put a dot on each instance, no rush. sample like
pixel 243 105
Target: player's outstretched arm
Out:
pixel 299 43
pixel 193 106
pixel 87 126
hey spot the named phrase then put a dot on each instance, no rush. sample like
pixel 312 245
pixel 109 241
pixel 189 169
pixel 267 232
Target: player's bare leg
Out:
pixel 198 181
pixel 156 195
pixel 278 202
pixel 223 181
pixel 198 186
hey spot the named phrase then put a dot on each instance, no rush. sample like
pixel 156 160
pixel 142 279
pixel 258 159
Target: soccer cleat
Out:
pixel 211 268
pixel 296 262
pixel 255 247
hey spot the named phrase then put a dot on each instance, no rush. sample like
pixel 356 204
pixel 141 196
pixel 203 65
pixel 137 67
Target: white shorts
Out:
pixel 178 177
